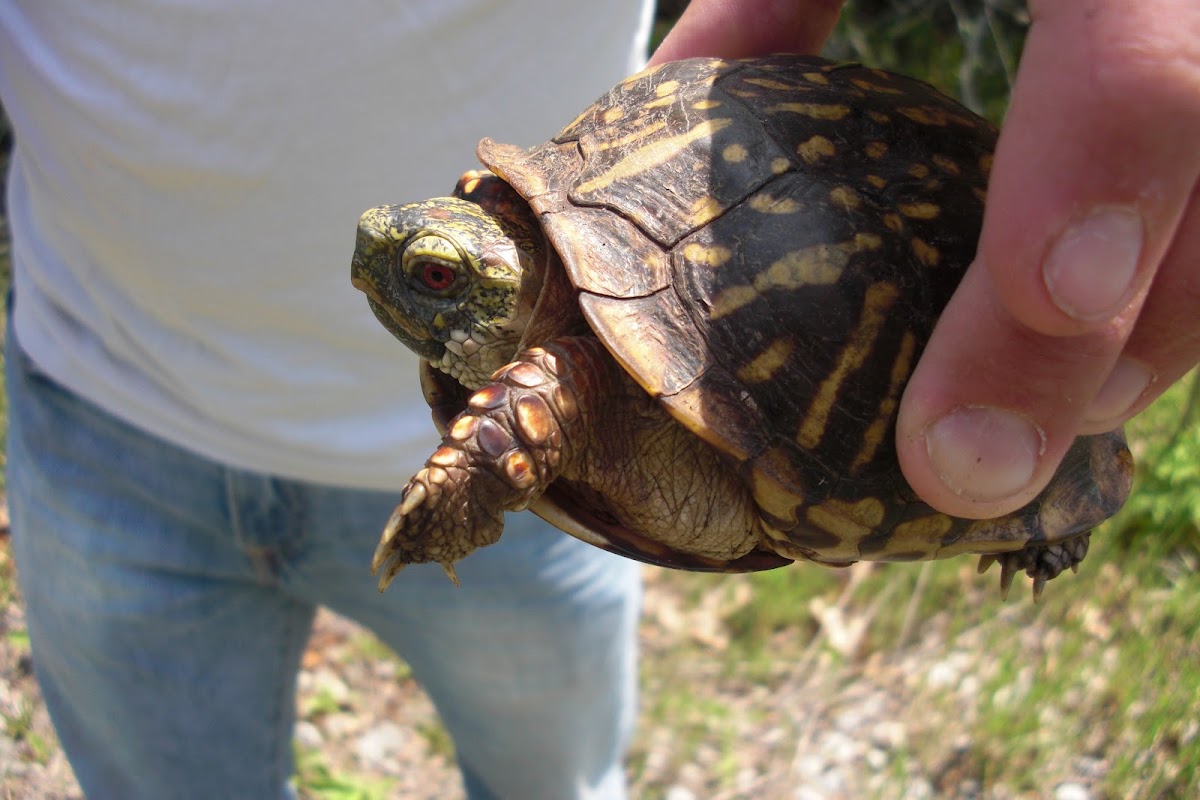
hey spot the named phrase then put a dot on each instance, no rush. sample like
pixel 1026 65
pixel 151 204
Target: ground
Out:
pixel 838 716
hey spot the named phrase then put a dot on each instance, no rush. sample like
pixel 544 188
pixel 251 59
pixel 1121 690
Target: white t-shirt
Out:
pixel 187 180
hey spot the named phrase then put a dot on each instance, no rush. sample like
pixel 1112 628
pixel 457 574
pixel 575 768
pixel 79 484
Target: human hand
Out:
pixel 1083 304
pixel 738 28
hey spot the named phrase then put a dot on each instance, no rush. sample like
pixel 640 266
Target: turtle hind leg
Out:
pixel 1042 562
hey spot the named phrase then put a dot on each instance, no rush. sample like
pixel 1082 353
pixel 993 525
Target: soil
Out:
pixel 832 721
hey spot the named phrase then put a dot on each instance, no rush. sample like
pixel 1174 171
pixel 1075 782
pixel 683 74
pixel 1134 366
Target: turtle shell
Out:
pixel 765 246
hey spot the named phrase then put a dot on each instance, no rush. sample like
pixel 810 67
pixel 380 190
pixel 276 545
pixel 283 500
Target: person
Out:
pixel 208 428
pixel 1083 303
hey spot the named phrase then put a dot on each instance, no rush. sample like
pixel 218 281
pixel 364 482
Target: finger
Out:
pixel 734 29
pixel 1097 159
pixel 1165 342
pixel 1092 173
pixel 1007 421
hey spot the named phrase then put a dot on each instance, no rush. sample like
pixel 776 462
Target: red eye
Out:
pixel 437 277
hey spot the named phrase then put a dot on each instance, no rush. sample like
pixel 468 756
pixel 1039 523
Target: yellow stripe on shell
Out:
pixel 850 523
pixel 763 367
pixel 818 265
pixel 882 424
pixel 827 111
pixel 878 300
pixel 653 154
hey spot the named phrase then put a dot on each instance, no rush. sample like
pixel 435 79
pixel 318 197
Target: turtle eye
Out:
pixel 432 265
pixel 435 275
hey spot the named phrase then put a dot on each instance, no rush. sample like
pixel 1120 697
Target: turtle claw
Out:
pixel 440 519
pixel 985 563
pixel 1008 568
pixel 1042 563
pixel 1039 583
pixel 389 575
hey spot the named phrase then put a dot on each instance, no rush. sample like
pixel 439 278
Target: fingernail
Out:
pixel 1124 386
pixel 1090 268
pixel 984 454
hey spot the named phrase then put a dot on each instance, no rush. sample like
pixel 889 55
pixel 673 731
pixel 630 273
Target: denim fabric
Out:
pixel 169 599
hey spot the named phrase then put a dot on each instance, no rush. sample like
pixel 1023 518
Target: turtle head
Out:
pixel 454 281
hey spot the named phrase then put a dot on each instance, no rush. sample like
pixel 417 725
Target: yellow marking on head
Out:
pixel 882 424
pixel 919 171
pixel 879 298
pixel 845 198
pixel 827 111
pixel 893 222
pixel 980 194
pixel 652 154
pixel 732 299
pixel 705 105
pixel 877 181
pixel 850 522
pixel 470 186
pixel 985 163
pixel 768 362
pixel 735 153
pixel 780 165
pixel 926 253
pixel 765 203
pixel 920 210
pixel 767 83
pixel 816 148
pixel 876 149
pixel 946 164
pixel 709 255
pixel 613 114
pixel 818 78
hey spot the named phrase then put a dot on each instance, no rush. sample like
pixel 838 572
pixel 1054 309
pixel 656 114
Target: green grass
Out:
pixel 315 780
pixel 1107 666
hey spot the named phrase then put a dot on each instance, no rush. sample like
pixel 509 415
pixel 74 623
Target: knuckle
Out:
pixel 1154 60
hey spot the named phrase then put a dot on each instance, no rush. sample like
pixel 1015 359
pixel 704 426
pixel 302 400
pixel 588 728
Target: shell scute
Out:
pixel 765 245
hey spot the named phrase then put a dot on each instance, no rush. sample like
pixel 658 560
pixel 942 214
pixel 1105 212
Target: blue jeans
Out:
pixel 169 599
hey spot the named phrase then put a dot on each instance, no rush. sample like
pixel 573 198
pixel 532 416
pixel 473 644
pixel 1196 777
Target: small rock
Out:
pixel 379 745
pixel 328 683
pixel 889 734
pixel 678 792
pixel 808 793
pixel 839 748
pixel 876 759
pixel 1071 791
pixel 308 735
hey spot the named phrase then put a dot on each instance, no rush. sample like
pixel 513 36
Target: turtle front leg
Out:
pixel 498 455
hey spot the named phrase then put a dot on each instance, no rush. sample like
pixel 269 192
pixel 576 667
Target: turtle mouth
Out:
pixel 470 357
pixel 412 335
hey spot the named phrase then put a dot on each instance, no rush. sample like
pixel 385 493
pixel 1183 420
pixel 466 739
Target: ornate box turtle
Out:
pixel 679 329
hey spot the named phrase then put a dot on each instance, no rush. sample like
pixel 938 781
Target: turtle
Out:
pixel 679 329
